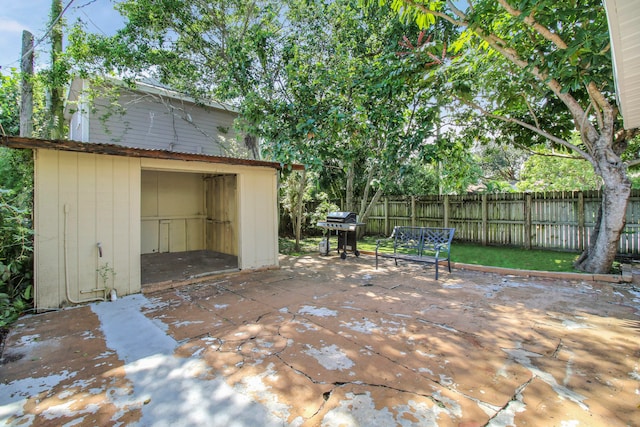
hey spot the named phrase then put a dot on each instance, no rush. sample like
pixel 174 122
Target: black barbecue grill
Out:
pixel 345 225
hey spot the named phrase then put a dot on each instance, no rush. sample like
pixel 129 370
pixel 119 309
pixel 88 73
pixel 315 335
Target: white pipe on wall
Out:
pixel 66 265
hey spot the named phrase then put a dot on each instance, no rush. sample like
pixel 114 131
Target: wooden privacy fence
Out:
pixel 555 220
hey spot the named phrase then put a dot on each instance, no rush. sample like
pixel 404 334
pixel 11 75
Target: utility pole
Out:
pixel 26 95
pixel 56 84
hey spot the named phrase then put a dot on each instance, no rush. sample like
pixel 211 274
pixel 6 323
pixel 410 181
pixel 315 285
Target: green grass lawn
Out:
pixel 496 256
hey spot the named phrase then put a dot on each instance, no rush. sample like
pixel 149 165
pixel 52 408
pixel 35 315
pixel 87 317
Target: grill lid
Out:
pixel 342 217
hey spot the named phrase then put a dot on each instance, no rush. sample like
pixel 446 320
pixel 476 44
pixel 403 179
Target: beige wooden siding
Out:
pixel 167 124
pixel 258 219
pixel 222 218
pixel 256 204
pixel 173 212
pixel 82 200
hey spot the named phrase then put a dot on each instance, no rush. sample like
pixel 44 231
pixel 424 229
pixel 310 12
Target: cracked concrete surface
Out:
pixel 330 342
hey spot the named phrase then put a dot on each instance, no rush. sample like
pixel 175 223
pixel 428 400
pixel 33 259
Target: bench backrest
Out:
pixel 421 238
pixel 408 237
pixel 437 236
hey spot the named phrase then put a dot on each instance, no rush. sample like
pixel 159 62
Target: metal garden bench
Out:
pixel 417 244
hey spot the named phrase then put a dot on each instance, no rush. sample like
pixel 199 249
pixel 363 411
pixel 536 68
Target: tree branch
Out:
pixel 533 114
pixel 528 126
pixel 586 141
pixel 539 28
pixel 512 56
pixel 608 116
pixel 542 154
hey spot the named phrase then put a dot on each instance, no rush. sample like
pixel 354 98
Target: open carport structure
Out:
pixel 334 343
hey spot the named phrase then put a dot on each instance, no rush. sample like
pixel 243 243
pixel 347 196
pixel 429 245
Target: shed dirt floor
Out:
pixel 178 266
pixel 330 342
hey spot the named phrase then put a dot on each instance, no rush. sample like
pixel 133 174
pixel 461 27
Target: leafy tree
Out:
pixel 16 189
pixel 359 119
pixel 535 71
pixel 16 259
pixel 295 186
pixel 58 73
pixel 313 79
pixel 554 172
pixel 9 103
pixel 219 49
pixel 500 162
pixel 16 198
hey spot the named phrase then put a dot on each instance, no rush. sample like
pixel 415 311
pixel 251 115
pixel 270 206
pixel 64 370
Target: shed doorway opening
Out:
pixel 189 225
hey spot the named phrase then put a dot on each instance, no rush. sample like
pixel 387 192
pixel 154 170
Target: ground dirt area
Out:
pixel 330 342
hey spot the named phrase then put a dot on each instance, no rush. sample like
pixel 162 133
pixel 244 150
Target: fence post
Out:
pixel 527 221
pixel 581 226
pixel 413 211
pixel 483 225
pixel 386 216
pixel 445 202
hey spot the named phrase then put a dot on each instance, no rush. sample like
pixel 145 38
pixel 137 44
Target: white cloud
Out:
pixel 11 26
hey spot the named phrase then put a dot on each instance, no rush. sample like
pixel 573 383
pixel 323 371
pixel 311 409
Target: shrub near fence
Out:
pixel 554 220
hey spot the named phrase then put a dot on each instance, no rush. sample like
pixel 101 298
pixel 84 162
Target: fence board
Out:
pixel 553 220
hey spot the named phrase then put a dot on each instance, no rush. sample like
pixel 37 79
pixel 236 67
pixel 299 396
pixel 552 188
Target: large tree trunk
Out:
pixel 603 245
pixel 365 208
pixel 351 176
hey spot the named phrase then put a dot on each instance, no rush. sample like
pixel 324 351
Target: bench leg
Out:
pixel 436 269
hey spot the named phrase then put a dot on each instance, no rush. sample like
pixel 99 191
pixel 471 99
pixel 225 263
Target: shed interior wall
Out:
pixel 256 192
pixel 188 212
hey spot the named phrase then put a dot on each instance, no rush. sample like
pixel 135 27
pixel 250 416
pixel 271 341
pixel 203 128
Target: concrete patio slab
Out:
pixel 330 342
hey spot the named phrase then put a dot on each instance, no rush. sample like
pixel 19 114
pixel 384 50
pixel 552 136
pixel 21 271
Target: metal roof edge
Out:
pixel 149 88
pixel 120 150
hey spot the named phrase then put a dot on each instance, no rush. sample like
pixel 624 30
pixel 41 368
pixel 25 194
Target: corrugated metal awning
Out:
pixel 120 150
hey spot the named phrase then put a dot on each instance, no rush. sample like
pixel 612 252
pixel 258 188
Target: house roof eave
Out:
pixel 624 28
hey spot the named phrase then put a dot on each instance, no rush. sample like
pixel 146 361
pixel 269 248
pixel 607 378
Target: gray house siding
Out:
pixel 157 119
pixel 149 121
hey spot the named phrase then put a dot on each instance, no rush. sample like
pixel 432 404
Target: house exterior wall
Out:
pixel 157 122
pixel 82 199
